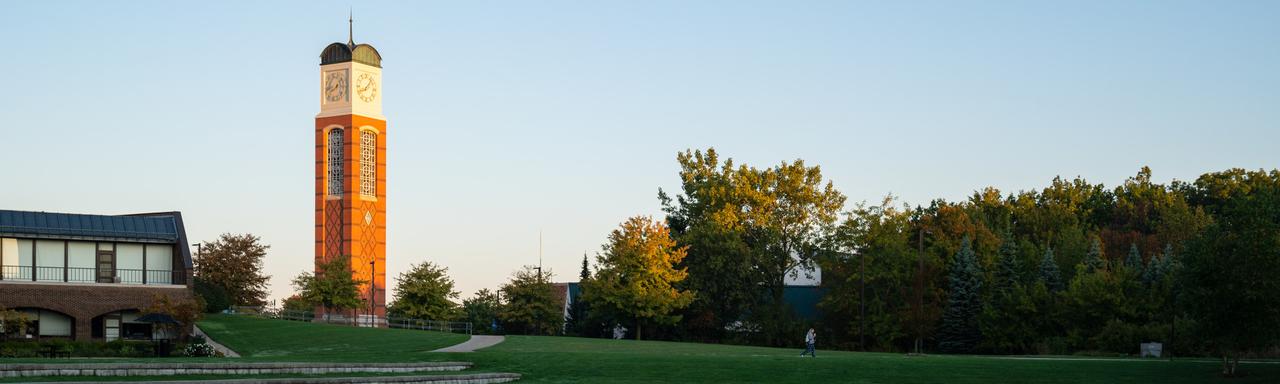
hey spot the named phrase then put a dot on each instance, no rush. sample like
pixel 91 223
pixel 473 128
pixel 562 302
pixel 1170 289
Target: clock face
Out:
pixel 366 87
pixel 335 86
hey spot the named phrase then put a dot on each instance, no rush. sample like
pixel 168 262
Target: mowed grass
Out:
pixel 281 340
pixel 581 360
pixel 577 360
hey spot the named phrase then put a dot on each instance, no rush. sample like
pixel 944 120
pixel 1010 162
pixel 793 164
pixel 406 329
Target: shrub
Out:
pixel 198 350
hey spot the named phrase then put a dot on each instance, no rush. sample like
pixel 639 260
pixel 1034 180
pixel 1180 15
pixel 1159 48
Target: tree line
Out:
pixel 1074 267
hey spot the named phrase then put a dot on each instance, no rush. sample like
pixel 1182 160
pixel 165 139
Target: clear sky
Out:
pixel 507 118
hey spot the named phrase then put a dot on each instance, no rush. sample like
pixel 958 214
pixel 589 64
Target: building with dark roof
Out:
pixel 88 277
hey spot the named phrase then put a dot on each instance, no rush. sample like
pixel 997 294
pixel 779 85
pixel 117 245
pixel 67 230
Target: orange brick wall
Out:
pixel 340 223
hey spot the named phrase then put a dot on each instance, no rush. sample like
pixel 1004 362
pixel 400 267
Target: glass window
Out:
pixel 368 163
pixel 335 162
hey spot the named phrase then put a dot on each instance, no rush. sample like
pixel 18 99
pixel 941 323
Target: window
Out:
pixel 368 163
pixel 335 162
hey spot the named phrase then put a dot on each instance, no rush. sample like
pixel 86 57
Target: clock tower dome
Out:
pixel 351 163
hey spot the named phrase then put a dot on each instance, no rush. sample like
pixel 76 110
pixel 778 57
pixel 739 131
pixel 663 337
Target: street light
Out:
pixel 920 292
pixel 373 287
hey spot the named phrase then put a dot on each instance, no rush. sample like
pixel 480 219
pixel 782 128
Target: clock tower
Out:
pixel 351 164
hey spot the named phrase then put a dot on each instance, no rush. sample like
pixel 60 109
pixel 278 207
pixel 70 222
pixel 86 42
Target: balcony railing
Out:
pixel 90 275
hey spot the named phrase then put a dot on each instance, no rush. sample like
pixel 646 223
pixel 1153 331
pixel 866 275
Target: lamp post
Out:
pixel 199 253
pixel 920 292
pixel 862 300
pixel 373 287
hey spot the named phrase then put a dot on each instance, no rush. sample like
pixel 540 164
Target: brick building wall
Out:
pixel 83 302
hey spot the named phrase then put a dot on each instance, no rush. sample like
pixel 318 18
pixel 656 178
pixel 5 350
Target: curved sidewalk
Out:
pixel 474 343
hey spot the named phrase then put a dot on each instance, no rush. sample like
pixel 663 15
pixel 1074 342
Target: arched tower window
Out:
pixel 368 163
pixel 335 162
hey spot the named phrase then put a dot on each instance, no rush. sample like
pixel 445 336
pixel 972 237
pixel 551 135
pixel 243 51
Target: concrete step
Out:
pixel 231 368
pixel 474 378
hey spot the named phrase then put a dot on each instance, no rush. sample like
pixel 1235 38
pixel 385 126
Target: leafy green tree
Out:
pixel 296 303
pixel 214 296
pixel 530 305
pixel 482 311
pixel 1229 270
pixel 1049 273
pixel 960 332
pixel 746 228
pixel 1093 261
pixel 868 297
pixel 332 287
pixel 425 291
pixel 636 275
pixel 234 262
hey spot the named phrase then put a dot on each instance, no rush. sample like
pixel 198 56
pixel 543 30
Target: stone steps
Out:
pixel 475 378
pixel 170 369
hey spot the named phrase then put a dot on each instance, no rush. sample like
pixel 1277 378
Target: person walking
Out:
pixel 809 339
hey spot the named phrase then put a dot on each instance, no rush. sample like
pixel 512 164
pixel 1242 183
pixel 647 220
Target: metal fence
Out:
pixel 355 321
pixel 90 275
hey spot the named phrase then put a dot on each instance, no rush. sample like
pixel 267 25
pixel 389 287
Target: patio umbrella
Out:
pixel 158 318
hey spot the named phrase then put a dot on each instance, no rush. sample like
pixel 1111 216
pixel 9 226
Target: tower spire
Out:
pixel 351 36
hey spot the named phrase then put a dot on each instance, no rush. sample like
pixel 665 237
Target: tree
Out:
pixel 13 322
pixel 1229 271
pixel 1094 261
pixel 425 292
pixel 1134 260
pixel 1157 268
pixel 214 296
pixel 332 287
pixel 531 306
pixel 1007 274
pixel 234 262
pixel 1049 273
pixel 637 272
pixel 960 332
pixel 482 310
pixel 578 324
pixel 747 228
pixel 296 303
pixel 187 312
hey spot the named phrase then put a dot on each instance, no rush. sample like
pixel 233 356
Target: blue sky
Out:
pixel 506 118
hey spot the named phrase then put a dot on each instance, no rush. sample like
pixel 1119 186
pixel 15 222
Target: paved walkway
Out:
pixel 476 342
pixel 216 347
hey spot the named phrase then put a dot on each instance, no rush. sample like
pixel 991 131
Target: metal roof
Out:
pixel 344 52
pixel 151 226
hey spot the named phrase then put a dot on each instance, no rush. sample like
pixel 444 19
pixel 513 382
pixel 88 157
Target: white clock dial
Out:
pixel 367 87
pixel 335 86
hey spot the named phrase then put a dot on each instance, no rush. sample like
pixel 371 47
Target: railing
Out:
pixel 90 275
pixel 359 320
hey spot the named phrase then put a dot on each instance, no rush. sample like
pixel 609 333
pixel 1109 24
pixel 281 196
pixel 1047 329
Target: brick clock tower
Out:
pixel 351 168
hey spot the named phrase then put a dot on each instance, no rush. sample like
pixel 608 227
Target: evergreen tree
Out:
pixel 960 332
pixel 1007 269
pixel 1049 273
pixel 1093 260
pixel 1155 268
pixel 1134 261
pixel 578 323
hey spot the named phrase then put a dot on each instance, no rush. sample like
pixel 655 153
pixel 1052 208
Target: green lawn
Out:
pixel 280 340
pixel 578 360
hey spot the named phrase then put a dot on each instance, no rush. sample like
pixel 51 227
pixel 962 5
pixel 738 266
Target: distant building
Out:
pixel 86 277
pixel 802 290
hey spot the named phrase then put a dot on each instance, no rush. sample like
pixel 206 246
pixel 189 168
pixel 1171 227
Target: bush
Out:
pixel 198 350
